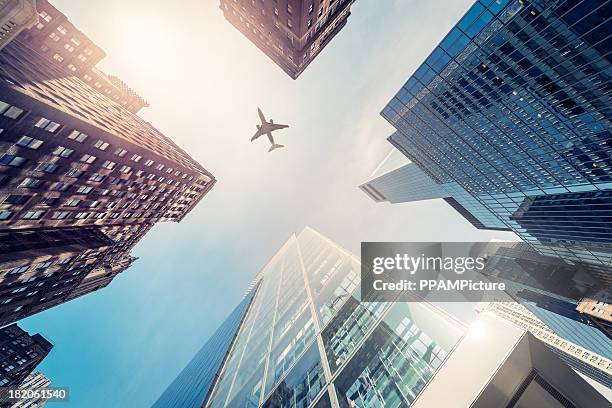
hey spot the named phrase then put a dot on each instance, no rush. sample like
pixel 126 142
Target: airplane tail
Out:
pixel 275 146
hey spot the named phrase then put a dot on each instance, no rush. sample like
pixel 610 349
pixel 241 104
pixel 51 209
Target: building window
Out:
pixel 44 265
pixel 96 177
pixel 81 215
pixel 29 142
pixel 59 215
pixel 48 167
pixel 73 202
pixel 109 164
pixel 101 145
pixel 84 190
pixel 62 29
pixel 74 173
pixel 17 199
pixel 61 186
pixel 62 151
pixel 87 158
pixel 120 152
pixel 30 182
pixel 289 9
pixel 48 201
pixel 5 215
pixel 136 158
pixel 13 161
pixel 77 136
pixel 18 270
pixel 32 215
pixel 125 169
pixel 48 125
pixel 10 111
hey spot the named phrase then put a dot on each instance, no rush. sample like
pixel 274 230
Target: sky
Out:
pixel 122 346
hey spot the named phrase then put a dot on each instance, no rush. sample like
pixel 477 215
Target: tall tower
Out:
pixel 291 32
pixel 512 106
pixel 20 353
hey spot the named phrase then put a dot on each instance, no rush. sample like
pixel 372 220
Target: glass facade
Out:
pixel 309 341
pixel 398 180
pixel 191 387
pixel 513 104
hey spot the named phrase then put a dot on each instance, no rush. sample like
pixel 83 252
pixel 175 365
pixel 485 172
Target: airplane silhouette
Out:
pixel 266 128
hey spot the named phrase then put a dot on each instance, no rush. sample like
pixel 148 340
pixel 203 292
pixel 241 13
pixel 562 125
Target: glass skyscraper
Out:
pixel 398 180
pixel 514 106
pixel 192 386
pixel 308 341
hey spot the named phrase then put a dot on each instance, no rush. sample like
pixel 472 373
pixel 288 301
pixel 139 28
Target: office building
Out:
pixel 34 381
pixel 16 16
pixel 513 106
pixel 290 32
pixel 194 383
pixel 20 353
pixel 57 39
pixel 74 161
pixel 309 340
pixel 397 180
pixel 589 363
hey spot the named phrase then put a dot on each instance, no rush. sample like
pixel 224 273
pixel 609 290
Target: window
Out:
pixel 73 202
pixel 74 173
pixel 62 29
pixel 77 136
pixel 99 216
pixel 46 124
pixel 120 152
pixel 10 111
pixel 43 265
pixel 30 182
pixel 311 8
pixel 5 215
pixel 48 167
pixel 109 164
pixel 125 169
pixel 13 161
pixel 62 151
pixel 87 158
pixel 60 186
pixel 160 166
pixel 29 142
pixel 32 215
pixel 96 177
pixel 64 261
pixel 59 215
pixel 18 270
pixel 93 204
pixel 101 145
pixel 81 215
pixel 17 199
pixel 136 158
pixel 48 201
pixel 84 190
pixel 149 163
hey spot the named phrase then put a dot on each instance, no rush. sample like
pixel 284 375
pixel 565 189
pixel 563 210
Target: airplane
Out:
pixel 266 128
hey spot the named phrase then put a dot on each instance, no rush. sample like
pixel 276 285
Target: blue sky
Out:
pixel 121 346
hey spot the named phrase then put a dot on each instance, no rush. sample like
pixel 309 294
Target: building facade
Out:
pixel 591 364
pixel 34 381
pixel 290 32
pixel 20 354
pixel 513 106
pixel 397 180
pixel 16 16
pixel 58 40
pixel 194 383
pixel 73 160
pixel 598 308
pixel 308 339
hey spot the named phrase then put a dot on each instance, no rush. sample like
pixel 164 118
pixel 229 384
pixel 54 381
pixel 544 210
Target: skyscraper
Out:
pixel 309 340
pixel 16 16
pixel 20 353
pixel 513 106
pixel 82 180
pixel 58 40
pixel 193 385
pixel 590 363
pixel 397 180
pixel 34 381
pixel 291 32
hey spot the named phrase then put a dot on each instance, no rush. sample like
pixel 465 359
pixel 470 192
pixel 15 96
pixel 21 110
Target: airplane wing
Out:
pixel 261 116
pixel 256 135
pixel 278 126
